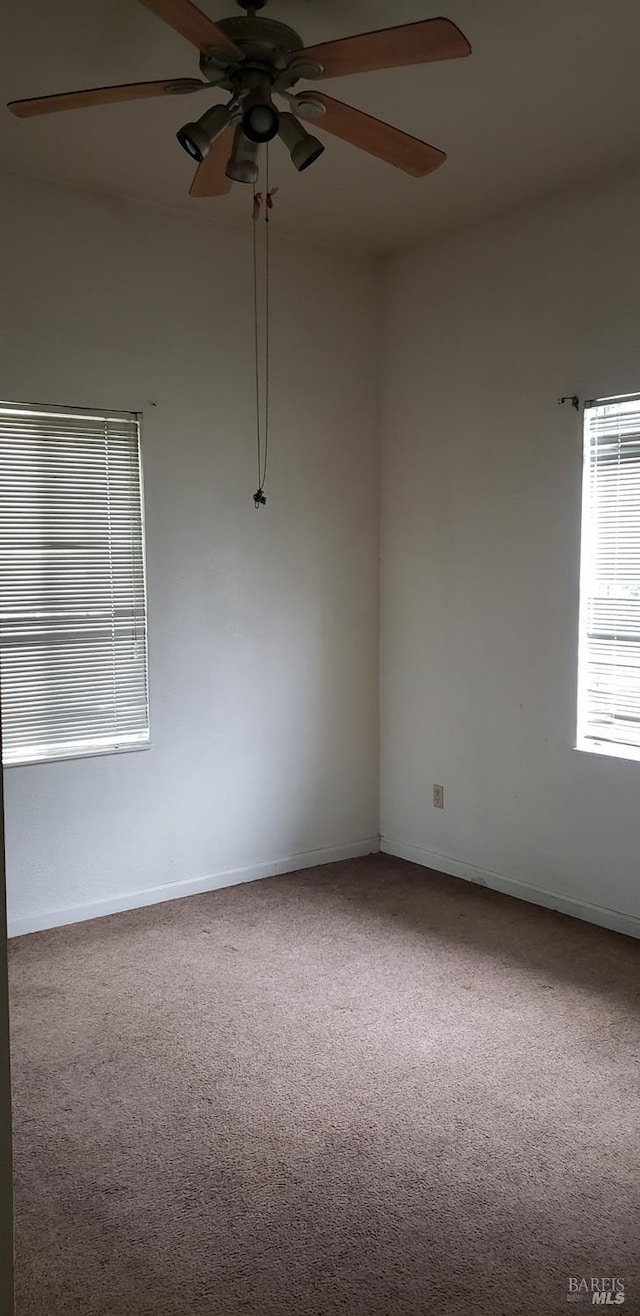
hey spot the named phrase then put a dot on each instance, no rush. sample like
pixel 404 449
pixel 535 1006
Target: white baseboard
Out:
pixel 55 918
pixel 512 886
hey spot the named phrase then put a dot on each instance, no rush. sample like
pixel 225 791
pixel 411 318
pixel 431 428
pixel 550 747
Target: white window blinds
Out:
pixel 609 676
pixel 73 634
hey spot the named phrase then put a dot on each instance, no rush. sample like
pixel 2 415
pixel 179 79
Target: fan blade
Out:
pixel 390 48
pixel 128 91
pixel 210 178
pixel 376 137
pixel 192 24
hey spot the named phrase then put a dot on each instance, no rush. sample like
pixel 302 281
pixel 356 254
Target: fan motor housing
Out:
pixel 261 34
pixel 266 46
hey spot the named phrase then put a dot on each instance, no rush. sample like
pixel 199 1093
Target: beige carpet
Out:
pixel 363 1089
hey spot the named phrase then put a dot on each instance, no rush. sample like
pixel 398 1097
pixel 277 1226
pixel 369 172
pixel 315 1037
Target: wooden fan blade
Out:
pixel 390 48
pixel 192 24
pixel 378 138
pixel 210 178
pixel 128 91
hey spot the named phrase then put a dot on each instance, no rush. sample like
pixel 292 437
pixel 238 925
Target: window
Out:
pixel 73 630
pixel 609 659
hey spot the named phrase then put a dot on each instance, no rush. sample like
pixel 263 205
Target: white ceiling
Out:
pixel 549 98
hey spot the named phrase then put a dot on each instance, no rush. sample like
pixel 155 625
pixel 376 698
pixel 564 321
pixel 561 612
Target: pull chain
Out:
pixel 259 497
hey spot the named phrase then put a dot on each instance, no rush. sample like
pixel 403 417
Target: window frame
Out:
pixel 608 749
pixel 134 747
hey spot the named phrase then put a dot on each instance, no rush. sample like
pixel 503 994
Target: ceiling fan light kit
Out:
pixel 256 59
pixel 260 118
pixel 242 166
pixel 196 138
pixel 303 148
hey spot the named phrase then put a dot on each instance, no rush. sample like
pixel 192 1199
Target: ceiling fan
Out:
pixel 255 58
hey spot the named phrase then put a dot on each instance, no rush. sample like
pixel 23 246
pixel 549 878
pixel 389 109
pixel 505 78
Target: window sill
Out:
pixel 604 749
pixel 77 754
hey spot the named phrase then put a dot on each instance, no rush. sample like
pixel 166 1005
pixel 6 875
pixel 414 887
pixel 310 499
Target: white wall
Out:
pixel 263 625
pixel 481 475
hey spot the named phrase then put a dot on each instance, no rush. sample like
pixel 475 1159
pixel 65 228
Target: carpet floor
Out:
pixel 363 1089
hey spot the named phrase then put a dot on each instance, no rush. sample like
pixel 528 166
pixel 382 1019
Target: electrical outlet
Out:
pixel 438 797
